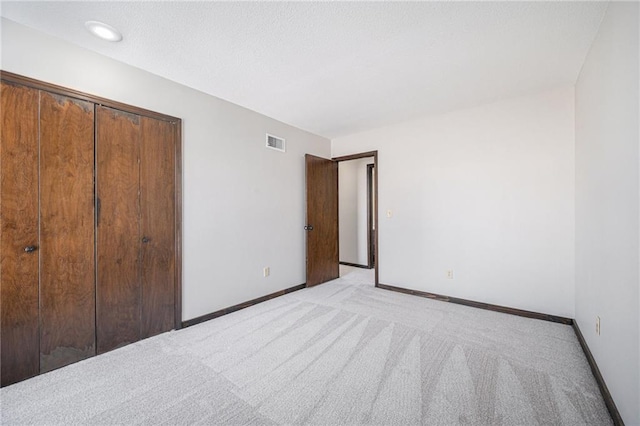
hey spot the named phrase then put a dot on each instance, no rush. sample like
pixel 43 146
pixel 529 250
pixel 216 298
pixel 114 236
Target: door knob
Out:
pixel 30 249
pixel 145 240
pixel 308 228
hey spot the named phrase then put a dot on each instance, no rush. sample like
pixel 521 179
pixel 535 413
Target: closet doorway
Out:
pixel 91 225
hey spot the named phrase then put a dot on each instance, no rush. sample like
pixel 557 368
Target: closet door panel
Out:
pixel 67 261
pixel 118 230
pixel 19 341
pixel 157 202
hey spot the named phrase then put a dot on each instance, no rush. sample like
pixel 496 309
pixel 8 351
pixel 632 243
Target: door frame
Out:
pixel 374 155
pixel 371 169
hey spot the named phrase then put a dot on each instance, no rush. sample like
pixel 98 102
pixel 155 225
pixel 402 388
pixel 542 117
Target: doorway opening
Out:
pixel 357 205
pixel 322 221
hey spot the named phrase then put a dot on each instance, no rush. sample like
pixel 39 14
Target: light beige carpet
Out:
pixel 341 353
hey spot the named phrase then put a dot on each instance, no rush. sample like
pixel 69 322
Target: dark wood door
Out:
pixel 118 243
pixel 67 261
pixel 322 220
pixel 89 233
pixel 157 204
pixel 19 341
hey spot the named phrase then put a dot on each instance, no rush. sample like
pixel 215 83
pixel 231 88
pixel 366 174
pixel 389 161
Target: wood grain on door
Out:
pixel 118 228
pixel 19 240
pixel 322 215
pixel 157 203
pixel 67 260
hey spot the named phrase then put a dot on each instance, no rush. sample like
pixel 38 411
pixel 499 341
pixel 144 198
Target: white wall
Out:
pixel 607 205
pixel 362 219
pixel 352 203
pixel 243 204
pixel 488 192
pixel 348 212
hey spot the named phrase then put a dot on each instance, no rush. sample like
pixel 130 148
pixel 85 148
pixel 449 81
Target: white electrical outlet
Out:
pixel 598 326
pixel 449 274
pixel 266 271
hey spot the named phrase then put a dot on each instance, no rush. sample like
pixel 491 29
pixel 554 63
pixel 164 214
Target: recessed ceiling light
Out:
pixel 103 31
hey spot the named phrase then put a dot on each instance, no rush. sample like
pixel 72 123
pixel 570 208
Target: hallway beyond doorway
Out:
pixel 358 275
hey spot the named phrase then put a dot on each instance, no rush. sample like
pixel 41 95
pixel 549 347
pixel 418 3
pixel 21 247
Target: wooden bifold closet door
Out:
pixel 90 226
pixel 20 340
pixel 136 234
pixel 67 260
pixel 47 265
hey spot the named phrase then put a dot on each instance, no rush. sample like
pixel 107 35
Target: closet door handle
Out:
pixel 30 249
pixel 145 240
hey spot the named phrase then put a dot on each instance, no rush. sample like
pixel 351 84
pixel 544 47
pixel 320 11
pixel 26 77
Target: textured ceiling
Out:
pixel 335 68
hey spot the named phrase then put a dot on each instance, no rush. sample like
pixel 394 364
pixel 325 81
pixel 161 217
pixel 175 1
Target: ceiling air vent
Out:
pixel 275 142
